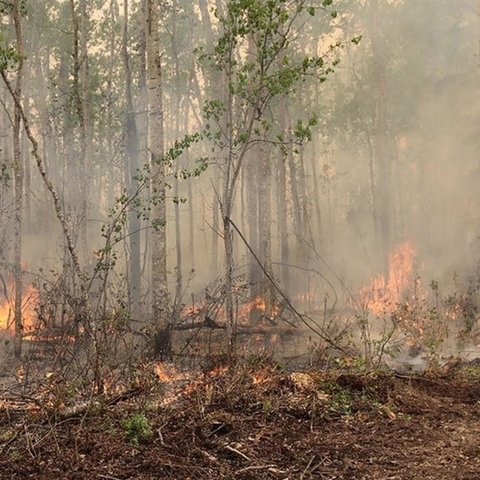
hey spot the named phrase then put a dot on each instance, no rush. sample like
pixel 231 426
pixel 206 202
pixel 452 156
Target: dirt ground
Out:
pixel 258 423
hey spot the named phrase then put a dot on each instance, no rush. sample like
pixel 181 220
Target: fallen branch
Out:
pixel 259 467
pixel 238 452
pixel 82 409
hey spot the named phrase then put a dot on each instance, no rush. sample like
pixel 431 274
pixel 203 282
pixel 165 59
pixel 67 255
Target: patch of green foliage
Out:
pixel 341 401
pixel 137 428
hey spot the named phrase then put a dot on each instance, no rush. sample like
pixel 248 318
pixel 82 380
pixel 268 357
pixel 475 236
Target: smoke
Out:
pixel 395 157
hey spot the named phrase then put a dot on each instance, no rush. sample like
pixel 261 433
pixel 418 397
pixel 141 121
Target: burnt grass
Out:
pixel 257 423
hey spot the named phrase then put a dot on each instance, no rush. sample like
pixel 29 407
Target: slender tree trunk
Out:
pixel 26 162
pixel 229 265
pixel 134 271
pixel 226 210
pixel 160 297
pixel 253 181
pixel 282 203
pixel 142 124
pixel 191 216
pixel 176 112
pixel 298 254
pixel 231 174
pixel 86 127
pixel 216 227
pixel 78 98
pixel 265 222
pixel 18 181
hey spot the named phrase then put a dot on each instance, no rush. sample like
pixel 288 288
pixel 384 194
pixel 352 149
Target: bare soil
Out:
pixel 259 423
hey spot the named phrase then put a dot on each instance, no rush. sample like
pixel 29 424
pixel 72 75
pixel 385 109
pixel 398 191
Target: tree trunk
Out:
pixel 252 183
pixel 26 163
pixel 86 128
pixel 18 182
pixel 79 97
pixel 161 324
pixel 229 265
pixel 226 210
pixel 282 203
pixel 176 112
pixel 264 227
pixel 298 253
pixel 134 272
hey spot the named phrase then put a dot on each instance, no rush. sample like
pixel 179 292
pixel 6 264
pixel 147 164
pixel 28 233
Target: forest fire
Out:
pixel 167 373
pixel 29 315
pixel 384 295
pixel 258 305
pixel 308 297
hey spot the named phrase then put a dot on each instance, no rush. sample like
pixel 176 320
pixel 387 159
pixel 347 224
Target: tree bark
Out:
pixel 79 96
pixel 161 325
pixel 134 270
pixel 282 202
pixel 252 184
pixel 86 128
pixel 264 226
pixel 18 182
pixel 176 112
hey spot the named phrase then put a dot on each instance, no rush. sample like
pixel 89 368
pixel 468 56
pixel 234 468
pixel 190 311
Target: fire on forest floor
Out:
pixel 258 421
pixel 29 315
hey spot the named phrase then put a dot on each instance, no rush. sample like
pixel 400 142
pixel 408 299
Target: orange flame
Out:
pixel 259 304
pixel 306 297
pixel 29 315
pixel 192 310
pixel 168 373
pixel 383 296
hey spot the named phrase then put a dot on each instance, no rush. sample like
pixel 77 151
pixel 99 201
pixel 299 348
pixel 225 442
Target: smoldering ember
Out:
pixel 240 239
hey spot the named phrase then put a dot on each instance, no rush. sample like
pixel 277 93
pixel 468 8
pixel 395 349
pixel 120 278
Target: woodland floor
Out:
pixel 259 422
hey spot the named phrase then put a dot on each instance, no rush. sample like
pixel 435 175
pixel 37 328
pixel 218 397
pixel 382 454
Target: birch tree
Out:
pixel 253 84
pixel 134 270
pixel 161 327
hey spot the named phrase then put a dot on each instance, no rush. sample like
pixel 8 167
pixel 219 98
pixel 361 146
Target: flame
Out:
pixel 257 304
pixel 383 296
pixel 307 297
pixel 218 371
pixel 260 376
pixel 29 315
pixel 168 373
pixel 192 310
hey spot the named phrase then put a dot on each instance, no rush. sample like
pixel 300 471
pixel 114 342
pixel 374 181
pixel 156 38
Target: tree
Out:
pixel 161 325
pixel 132 151
pixel 16 14
pixel 253 84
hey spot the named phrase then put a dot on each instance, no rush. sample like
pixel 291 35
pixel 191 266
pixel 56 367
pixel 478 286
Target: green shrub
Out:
pixel 137 428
